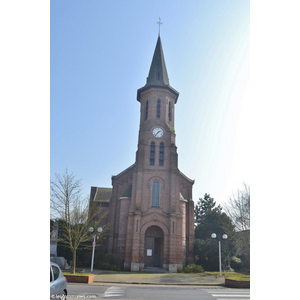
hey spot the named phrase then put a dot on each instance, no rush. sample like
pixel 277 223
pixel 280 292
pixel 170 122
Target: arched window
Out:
pixel 170 112
pixel 158 109
pixel 146 110
pixel 155 193
pixel 161 154
pixel 152 154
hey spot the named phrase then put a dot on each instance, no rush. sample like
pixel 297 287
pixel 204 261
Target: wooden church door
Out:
pixel 154 247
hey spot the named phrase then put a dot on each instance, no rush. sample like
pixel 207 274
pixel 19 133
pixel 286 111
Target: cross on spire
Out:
pixel 159 23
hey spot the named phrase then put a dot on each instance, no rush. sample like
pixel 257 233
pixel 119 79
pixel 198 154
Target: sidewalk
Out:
pixel 158 278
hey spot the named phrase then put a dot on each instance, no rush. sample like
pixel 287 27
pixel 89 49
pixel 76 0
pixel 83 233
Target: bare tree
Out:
pixel 238 208
pixel 68 205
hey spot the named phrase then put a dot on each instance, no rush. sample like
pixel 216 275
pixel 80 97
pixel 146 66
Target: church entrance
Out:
pixel 154 245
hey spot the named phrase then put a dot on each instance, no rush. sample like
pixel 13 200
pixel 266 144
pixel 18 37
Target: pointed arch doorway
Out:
pixel 154 246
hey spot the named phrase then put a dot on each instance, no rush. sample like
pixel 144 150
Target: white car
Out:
pixel 58 283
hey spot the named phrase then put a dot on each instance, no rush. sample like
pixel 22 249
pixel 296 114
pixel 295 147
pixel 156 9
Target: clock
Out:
pixel 158 132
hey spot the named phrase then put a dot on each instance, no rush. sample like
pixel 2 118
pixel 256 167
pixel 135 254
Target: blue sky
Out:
pixel 100 54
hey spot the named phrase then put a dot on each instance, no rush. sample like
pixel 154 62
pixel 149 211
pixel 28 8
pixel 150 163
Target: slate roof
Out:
pixel 128 191
pixel 103 194
pixel 158 75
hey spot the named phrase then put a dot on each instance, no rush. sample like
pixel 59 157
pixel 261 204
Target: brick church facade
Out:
pixel 151 211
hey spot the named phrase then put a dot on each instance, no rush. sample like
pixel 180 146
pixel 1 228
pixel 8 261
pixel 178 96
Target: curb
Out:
pixel 155 283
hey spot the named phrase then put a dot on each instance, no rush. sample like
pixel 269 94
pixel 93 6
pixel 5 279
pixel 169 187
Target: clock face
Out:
pixel 158 132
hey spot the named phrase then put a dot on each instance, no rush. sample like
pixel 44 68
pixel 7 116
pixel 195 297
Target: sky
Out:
pixel 100 55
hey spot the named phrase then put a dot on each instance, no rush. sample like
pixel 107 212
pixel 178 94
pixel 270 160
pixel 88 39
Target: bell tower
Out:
pixel 151 207
pixel 157 131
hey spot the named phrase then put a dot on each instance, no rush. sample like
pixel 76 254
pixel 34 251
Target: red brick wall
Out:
pixel 132 216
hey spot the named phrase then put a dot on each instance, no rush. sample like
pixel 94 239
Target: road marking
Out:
pixel 233 298
pixel 114 291
pixel 230 295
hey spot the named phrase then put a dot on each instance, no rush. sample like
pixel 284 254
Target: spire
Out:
pixel 158 74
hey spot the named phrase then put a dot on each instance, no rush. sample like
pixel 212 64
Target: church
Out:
pixel 151 211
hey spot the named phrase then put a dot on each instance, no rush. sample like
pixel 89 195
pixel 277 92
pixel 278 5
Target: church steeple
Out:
pixel 151 210
pixel 158 74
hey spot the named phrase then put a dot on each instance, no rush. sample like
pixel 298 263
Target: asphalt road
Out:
pixel 149 292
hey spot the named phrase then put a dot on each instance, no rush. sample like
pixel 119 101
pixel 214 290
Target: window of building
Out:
pixel 152 154
pixel 161 154
pixel 158 109
pixel 170 112
pixel 146 110
pixel 155 193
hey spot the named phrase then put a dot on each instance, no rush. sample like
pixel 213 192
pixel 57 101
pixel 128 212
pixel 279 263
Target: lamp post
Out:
pixel 224 237
pixel 91 230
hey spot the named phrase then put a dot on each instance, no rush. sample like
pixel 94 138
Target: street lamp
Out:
pixel 91 230
pixel 224 237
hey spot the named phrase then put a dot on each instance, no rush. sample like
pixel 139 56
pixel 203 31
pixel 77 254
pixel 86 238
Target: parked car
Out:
pixel 58 283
